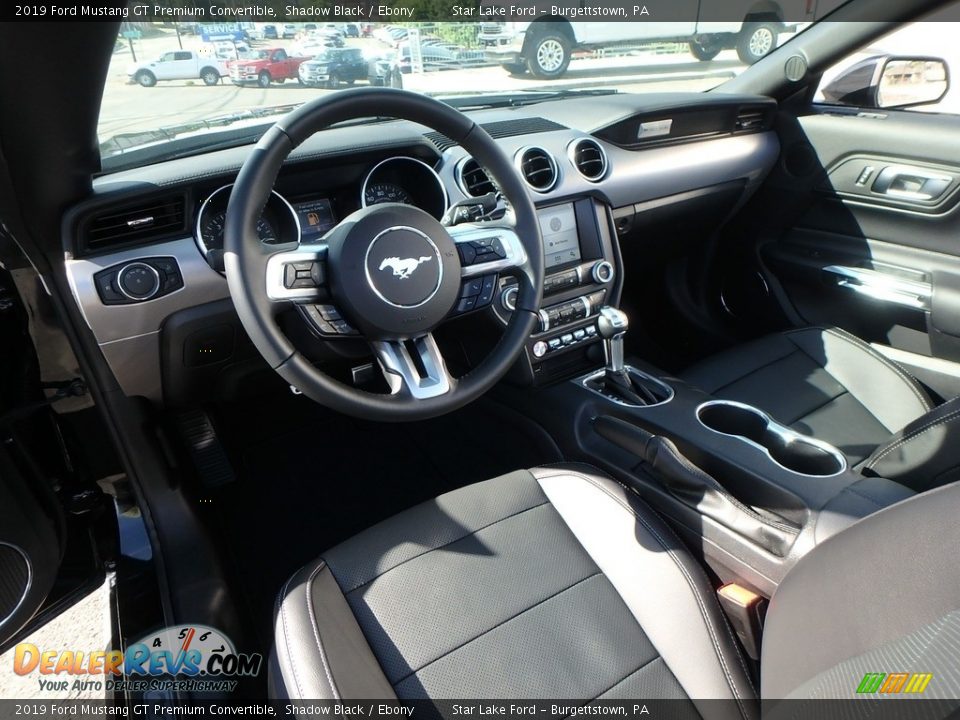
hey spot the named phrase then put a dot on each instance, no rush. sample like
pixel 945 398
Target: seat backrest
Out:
pixel 882 596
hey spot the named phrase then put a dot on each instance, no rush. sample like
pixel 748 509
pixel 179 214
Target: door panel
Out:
pixel 862 227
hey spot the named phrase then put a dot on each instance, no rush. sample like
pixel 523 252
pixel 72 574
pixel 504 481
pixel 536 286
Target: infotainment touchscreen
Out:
pixel 561 242
pixel 316 217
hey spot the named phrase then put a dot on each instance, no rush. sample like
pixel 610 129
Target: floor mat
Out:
pixel 308 478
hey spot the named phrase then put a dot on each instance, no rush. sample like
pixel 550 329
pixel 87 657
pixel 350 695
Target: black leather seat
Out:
pixel 560 583
pixel 829 384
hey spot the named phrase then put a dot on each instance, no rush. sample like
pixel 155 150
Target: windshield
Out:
pixel 241 76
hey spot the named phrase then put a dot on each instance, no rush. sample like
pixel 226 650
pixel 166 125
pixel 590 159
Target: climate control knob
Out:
pixel 602 272
pixel 138 281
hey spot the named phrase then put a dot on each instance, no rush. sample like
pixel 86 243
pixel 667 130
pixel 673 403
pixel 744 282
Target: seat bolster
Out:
pixel 880 385
pixel 925 454
pixel 664 589
pixel 320 650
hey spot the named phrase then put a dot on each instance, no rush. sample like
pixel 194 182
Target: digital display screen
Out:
pixel 316 217
pixel 561 241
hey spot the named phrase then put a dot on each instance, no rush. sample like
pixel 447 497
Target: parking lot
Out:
pixel 130 108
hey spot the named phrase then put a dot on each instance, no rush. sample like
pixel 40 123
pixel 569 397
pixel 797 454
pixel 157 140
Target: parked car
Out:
pixel 266 66
pixel 289 31
pixel 333 66
pixel 435 57
pixel 352 30
pixel 178 65
pixel 544 47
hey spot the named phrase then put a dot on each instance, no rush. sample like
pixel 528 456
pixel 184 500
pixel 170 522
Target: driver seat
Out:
pixel 558 582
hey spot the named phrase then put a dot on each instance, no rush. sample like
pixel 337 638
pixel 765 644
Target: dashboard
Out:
pixel 144 255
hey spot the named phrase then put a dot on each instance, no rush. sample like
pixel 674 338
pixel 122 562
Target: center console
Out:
pixel 582 276
pixel 748 494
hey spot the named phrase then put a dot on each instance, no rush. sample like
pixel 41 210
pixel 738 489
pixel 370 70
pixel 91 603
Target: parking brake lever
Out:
pixel 695 488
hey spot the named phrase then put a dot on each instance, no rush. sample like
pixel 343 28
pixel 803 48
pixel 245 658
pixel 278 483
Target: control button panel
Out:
pixel 561 281
pixel 483 250
pixel 542 349
pixel 303 274
pixel 138 281
pixel 327 320
pixel 476 293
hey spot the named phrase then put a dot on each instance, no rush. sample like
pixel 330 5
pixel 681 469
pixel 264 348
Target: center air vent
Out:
pixel 538 168
pixel 588 158
pixel 137 223
pixel 474 180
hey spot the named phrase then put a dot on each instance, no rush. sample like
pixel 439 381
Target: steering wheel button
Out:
pixel 488 290
pixel 497 247
pixel 466 304
pixel 472 287
pixel 467 253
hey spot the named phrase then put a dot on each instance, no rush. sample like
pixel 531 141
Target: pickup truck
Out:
pixel 332 66
pixel 544 46
pixel 178 65
pixel 266 66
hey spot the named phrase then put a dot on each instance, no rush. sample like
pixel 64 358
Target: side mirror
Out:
pixel 905 82
pixel 885 81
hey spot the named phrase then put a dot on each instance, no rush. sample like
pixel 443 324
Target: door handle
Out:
pixel 883 286
pixel 911 183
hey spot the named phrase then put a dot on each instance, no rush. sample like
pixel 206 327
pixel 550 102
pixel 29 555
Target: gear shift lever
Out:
pixel 612 325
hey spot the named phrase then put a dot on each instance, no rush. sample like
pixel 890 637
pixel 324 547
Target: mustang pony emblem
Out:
pixel 403 268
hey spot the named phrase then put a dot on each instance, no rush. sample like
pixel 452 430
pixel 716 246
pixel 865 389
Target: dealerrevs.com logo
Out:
pixel 192 658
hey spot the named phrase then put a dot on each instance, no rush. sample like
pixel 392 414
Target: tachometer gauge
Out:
pixel 277 224
pixel 386 193
pixel 211 231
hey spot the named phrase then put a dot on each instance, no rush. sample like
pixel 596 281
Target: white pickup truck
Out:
pixel 178 65
pixel 544 46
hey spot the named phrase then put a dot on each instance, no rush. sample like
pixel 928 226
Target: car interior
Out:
pixel 606 396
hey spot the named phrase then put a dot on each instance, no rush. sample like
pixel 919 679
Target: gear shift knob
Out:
pixel 612 325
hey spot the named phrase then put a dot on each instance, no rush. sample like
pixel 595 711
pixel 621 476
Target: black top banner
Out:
pixel 693 15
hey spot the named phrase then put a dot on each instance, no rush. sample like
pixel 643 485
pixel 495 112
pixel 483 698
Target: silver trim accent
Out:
pixel 198 236
pixel 788 435
pixel 458 175
pixel 518 164
pixel 544 319
pixel 507 292
pixel 274 273
pixel 516 254
pixel 586 379
pixel 585 299
pixel 26 590
pixel 883 286
pixel 137 222
pixel 436 254
pixel 401 372
pixel 595 272
pixel 443 188
pixel 138 263
pixel 572 156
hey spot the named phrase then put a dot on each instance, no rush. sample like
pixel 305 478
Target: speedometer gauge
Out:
pixel 386 193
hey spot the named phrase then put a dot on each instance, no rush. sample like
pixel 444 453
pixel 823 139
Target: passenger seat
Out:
pixel 828 383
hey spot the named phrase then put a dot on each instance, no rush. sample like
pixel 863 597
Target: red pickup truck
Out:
pixel 265 66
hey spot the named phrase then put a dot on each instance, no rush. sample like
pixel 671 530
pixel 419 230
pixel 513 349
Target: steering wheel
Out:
pixel 391 271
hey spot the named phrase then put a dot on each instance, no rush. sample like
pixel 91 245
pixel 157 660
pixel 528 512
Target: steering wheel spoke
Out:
pixel 298 275
pixel 414 368
pixel 487 249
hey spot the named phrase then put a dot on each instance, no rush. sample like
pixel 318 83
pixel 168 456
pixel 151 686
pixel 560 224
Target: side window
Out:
pixel 168 57
pixel 183 55
pixel 911 68
pixel 280 55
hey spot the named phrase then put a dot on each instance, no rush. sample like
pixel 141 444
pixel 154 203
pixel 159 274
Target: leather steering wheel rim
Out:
pixel 245 257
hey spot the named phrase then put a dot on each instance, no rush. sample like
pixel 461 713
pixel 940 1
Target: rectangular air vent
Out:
pixel 751 119
pixel 502 129
pixel 136 223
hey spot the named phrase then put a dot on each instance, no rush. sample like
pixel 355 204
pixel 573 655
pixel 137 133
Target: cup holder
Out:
pixel 786 447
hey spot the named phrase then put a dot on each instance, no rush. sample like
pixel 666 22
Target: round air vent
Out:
pixel 538 168
pixel 473 179
pixel 588 158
